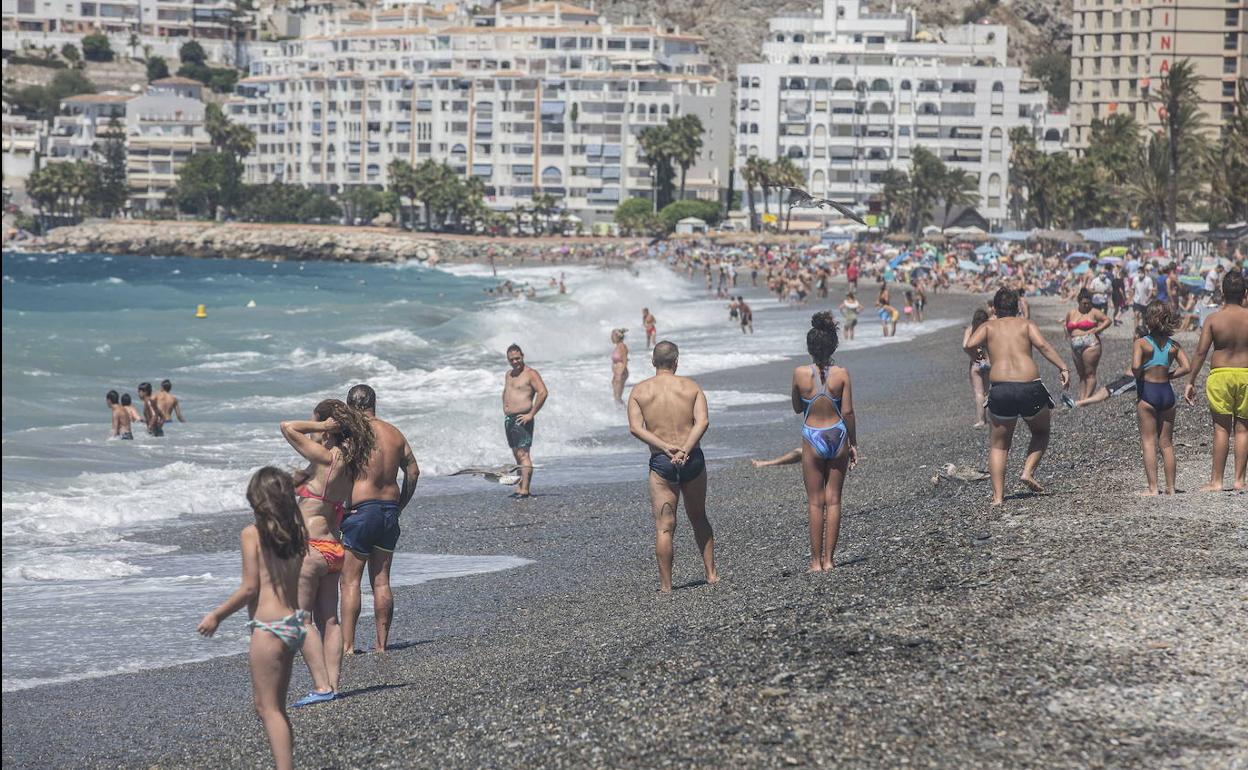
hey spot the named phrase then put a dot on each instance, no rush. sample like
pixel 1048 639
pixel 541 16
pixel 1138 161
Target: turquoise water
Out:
pixel 431 341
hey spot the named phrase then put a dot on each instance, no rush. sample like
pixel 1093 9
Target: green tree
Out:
pixel 95 47
pixel 191 52
pixel 1179 104
pixel 1229 181
pixel 707 211
pixel 926 173
pixel 401 178
pixel 44 103
pixel 545 211
pixel 1113 145
pixel 685 135
pixel 209 183
pixel 894 192
pixel 1053 71
pixel 362 204
pixel 227 136
pixel 636 216
pixel 785 173
pixel 752 176
pixel 658 148
pixel 157 68
pixel 956 189
pixel 222 79
pixel 1148 192
pixel 113 190
pixel 69 52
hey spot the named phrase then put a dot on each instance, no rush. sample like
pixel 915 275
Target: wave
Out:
pixel 393 338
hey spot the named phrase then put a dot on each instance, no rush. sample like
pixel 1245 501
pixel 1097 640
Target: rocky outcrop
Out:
pixel 207 240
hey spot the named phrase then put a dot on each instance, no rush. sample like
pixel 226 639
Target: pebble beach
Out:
pixel 1082 627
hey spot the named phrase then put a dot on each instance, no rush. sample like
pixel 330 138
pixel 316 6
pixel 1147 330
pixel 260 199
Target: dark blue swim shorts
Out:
pixel 372 524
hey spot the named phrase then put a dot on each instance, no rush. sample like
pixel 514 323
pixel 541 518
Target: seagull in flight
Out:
pixel 799 198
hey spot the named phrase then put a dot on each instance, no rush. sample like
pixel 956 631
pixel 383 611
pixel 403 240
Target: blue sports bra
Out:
pixel 1161 355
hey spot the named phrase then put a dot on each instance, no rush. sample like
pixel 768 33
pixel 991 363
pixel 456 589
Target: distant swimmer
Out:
pixel 168 403
pixel 153 418
pixel 1152 357
pixel 747 316
pixel 337 443
pixel 370 532
pixel 647 321
pixel 619 365
pixel 273 550
pixel 524 394
pixel 1016 389
pixel 669 413
pixel 822 394
pixel 1226 388
pixel 119 416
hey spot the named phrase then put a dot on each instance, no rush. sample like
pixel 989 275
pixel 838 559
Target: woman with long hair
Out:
pixel 822 395
pixel 1151 358
pixel 979 368
pixel 619 365
pixel 1083 326
pixel 336 442
pixel 273 554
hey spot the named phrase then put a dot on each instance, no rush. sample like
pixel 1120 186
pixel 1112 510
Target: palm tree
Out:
pixel 686 138
pixel 752 175
pixel 766 170
pixel 1148 191
pixel 1178 100
pixel 401 178
pixel 659 148
pixel 957 189
pixel 1230 169
pixel 785 173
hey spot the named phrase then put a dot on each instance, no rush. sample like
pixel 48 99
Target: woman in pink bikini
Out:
pixel 1083 327
pixel 337 443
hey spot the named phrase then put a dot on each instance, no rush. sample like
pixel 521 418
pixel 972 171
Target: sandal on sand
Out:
pixel 314 697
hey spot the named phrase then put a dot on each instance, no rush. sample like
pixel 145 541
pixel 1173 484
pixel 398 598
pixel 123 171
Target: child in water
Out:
pixel 273 550
pixel 1151 358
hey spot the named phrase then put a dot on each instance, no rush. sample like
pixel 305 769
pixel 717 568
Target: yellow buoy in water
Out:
pixel 201 311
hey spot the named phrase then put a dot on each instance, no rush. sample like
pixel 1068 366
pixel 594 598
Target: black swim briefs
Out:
pixel 694 466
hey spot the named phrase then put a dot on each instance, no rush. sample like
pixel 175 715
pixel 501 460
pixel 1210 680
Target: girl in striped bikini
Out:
pixel 273 550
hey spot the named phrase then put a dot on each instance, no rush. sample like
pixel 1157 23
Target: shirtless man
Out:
pixel 1016 389
pixel 153 418
pixel 524 394
pixel 370 531
pixel 648 322
pixel 119 415
pixel 669 414
pixel 747 316
pixel 1226 388
pixel 168 403
pixel 129 407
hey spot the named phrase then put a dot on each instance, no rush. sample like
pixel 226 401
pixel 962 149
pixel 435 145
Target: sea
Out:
pixel 277 338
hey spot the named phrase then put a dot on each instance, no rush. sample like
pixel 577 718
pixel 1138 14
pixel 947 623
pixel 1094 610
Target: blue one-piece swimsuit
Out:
pixel 825 441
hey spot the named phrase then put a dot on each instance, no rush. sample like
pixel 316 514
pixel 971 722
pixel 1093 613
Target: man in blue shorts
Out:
pixel 370 532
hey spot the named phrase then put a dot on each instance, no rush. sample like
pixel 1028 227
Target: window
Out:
pixel 1228 88
pixel 1230 41
pixel 1232 18
pixel 1228 66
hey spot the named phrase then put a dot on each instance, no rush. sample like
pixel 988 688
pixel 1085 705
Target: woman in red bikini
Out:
pixel 336 443
pixel 1083 327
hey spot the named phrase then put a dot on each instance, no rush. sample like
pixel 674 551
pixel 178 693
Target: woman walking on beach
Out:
pixel 980 365
pixel 1083 327
pixel 1016 390
pixel 273 553
pixel 337 443
pixel 619 365
pixel 823 396
pixel 888 313
pixel 1151 358
pixel 850 308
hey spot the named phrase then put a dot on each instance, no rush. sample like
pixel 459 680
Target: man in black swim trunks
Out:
pixel 152 416
pixel 524 394
pixel 669 413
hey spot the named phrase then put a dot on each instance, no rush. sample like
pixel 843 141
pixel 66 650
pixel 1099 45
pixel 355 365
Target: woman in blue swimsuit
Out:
pixel 821 394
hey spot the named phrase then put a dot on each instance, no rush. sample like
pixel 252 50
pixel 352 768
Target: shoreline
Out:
pixel 1084 626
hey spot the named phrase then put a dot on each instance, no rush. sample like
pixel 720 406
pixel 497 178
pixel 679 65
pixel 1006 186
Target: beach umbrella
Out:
pixel 966 264
pixel 1113 251
pixel 987 248
pixel 1110 261
pixel 1080 269
pixel 1195 281
pixel 1075 256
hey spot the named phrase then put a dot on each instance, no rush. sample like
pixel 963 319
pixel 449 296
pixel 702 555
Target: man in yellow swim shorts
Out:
pixel 1226 388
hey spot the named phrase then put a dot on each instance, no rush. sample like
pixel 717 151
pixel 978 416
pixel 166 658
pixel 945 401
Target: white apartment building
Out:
pixel 531 98
pixel 161 129
pixel 161 25
pixel 23 142
pixel 848 93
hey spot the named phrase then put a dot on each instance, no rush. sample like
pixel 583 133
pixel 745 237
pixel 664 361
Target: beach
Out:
pixel 1082 627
